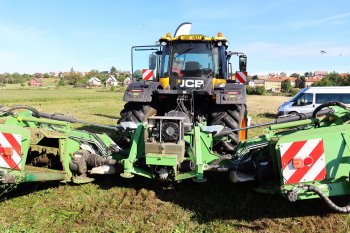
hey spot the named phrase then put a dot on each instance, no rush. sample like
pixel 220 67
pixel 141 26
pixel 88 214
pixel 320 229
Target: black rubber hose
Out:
pixel 57 116
pixel 16 107
pixel 329 202
pixel 293 117
pixel 327 104
pixel 301 116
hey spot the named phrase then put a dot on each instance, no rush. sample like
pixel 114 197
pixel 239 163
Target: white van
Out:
pixel 309 98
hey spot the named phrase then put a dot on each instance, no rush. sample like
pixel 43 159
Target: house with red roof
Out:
pixel 35 82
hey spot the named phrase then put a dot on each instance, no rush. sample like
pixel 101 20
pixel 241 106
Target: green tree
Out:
pixel 61 82
pixel 137 75
pixel 113 70
pixel 46 75
pixel 255 77
pixel 260 90
pixel 332 79
pixel 295 75
pixel 286 86
pixel 94 72
pixel 300 82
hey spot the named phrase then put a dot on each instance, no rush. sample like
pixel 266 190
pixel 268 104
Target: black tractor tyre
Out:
pixel 230 117
pixel 134 112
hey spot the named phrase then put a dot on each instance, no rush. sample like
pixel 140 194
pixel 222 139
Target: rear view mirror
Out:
pixel 152 61
pixel 242 63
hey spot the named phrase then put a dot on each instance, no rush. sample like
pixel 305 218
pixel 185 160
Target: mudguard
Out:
pixel 230 93
pixel 141 91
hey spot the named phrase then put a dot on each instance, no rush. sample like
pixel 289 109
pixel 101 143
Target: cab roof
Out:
pixel 193 37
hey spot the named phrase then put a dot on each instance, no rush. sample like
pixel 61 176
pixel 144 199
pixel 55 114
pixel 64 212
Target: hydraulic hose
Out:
pixel 329 202
pixel 280 120
pixel 327 104
pixel 16 107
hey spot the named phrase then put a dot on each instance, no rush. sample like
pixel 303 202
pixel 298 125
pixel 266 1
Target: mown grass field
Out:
pixel 113 204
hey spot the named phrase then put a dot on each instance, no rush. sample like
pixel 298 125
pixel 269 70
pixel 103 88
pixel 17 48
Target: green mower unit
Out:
pixel 34 148
pixel 300 156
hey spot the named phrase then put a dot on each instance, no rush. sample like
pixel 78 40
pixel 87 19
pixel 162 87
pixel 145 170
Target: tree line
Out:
pixel 70 78
pixel 333 79
pixel 14 78
pixel 76 78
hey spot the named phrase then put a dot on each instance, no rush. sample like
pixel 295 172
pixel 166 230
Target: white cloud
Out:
pixel 320 22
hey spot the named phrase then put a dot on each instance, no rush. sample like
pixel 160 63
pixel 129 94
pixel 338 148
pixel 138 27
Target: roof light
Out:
pixel 219 34
pixel 168 34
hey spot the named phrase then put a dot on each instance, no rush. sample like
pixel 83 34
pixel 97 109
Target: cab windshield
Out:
pixel 190 59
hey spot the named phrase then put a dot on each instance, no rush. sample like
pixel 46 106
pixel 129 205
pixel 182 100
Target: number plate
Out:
pixel 191 37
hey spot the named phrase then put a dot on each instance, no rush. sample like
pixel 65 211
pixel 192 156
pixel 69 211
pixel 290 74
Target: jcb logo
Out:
pixel 191 83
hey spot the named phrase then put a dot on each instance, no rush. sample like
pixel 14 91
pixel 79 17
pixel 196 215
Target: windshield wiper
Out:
pixel 189 49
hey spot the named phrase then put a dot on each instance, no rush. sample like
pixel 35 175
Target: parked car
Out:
pixel 311 97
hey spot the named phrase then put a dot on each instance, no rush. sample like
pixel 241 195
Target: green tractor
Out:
pixel 188 76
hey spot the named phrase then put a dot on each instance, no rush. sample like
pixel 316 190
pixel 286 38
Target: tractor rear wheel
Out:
pixel 134 112
pixel 232 117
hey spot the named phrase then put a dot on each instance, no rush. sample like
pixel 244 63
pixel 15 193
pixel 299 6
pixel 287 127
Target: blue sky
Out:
pixel 280 35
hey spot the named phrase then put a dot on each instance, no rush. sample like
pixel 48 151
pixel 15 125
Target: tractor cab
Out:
pixel 189 60
pixel 185 61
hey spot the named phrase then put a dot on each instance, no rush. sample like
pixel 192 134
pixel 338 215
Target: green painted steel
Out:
pixel 134 153
pixel 42 120
pixel 293 124
pixel 44 176
pixel 53 137
pixel 198 152
pixel 264 154
pixel 162 160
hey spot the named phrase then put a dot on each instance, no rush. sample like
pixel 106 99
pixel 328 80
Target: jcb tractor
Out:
pixel 189 76
pixel 184 119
